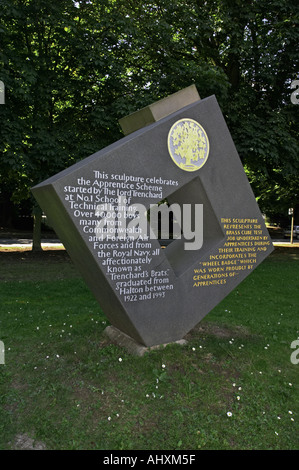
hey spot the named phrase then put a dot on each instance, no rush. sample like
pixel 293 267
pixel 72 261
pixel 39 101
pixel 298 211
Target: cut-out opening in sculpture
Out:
pixel 188 227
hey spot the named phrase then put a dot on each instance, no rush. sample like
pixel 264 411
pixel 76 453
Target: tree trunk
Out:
pixel 37 229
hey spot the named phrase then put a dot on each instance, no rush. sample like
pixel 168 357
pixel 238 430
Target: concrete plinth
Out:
pixel 130 345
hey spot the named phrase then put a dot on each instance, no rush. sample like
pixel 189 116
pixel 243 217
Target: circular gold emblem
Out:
pixel 188 145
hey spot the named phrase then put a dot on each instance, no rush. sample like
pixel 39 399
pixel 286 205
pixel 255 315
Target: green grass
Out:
pixel 65 385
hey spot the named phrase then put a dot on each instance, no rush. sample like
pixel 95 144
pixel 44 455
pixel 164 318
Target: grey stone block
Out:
pixel 153 295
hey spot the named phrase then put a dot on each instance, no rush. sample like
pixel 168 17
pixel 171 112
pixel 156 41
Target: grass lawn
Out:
pixel 65 386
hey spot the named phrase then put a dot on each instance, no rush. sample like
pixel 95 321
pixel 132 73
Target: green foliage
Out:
pixel 233 386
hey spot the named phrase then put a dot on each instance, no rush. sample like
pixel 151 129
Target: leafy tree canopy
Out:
pixel 72 69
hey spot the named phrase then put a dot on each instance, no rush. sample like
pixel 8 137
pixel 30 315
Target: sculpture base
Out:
pixel 130 345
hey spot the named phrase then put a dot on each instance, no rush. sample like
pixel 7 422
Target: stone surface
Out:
pixel 24 442
pixel 155 295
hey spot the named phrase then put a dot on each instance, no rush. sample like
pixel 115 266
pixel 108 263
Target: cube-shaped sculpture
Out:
pixel 156 294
